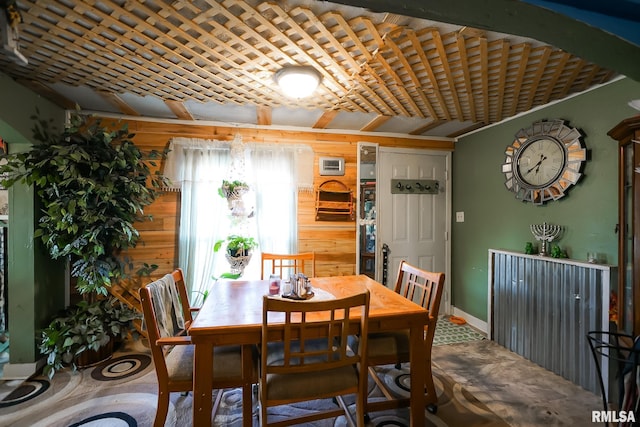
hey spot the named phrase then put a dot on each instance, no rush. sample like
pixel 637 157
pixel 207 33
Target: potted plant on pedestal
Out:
pixel 92 184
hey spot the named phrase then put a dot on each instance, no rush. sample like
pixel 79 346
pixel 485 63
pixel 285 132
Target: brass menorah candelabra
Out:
pixel 545 233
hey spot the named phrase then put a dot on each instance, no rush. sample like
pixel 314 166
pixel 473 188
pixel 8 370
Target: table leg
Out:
pixel 417 376
pixel 247 392
pixel 202 384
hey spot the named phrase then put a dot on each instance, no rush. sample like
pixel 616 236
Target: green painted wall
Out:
pixel 36 283
pixel 495 219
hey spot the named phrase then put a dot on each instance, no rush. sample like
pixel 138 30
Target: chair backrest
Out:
pixel 315 334
pixel 172 288
pixel 422 287
pixel 286 265
pixel 153 309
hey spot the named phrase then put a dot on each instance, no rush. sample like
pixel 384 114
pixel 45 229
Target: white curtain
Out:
pixel 271 174
pixel 197 168
pixel 274 181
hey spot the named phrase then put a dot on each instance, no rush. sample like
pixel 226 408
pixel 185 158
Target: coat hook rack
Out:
pixel 415 186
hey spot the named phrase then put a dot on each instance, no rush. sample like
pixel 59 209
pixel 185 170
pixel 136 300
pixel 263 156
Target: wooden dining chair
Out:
pixel 424 288
pixel 288 264
pixel 172 351
pixel 305 356
pixel 188 312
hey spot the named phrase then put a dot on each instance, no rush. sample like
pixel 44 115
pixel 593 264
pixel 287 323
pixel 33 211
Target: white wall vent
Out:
pixel 331 166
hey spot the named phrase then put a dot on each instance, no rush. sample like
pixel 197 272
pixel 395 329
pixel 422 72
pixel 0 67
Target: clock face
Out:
pixel 540 161
pixel 543 161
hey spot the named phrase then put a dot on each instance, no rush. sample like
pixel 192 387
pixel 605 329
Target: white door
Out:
pixel 415 227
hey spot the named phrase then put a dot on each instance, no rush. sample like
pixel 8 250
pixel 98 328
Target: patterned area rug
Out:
pixel 450 333
pixel 122 392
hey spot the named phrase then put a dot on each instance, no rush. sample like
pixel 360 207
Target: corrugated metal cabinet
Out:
pixel 627 133
pixel 543 307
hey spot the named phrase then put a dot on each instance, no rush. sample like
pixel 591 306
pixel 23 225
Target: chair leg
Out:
pixel 340 401
pixel 162 410
pixel 247 405
pixel 383 388
pixel 263 408
pixel 216 404
pixel 362 417
pixel 431 398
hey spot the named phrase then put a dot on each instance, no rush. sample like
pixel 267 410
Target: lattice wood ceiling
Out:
pixel 225 52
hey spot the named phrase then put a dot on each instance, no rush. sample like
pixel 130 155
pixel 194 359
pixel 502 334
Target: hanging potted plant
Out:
pixel 238 252
pixel 93 185
pixel 233 191
pixel 236 245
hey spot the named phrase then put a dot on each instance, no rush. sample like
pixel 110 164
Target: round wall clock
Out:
pixel 543 161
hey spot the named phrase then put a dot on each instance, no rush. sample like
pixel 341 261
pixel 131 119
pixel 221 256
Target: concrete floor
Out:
pixel 519 391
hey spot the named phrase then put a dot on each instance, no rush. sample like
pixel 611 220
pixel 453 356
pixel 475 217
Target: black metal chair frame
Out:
pixel 626 358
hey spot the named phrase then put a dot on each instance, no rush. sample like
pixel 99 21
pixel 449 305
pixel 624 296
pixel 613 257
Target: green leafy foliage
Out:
pixel 230 187
pixel 146 269
pixel 236 245
pixel 85 326
pixel 557 252
pixel 93 184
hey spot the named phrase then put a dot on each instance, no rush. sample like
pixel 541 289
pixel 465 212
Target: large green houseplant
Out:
pixel 92 185
pixel 86 326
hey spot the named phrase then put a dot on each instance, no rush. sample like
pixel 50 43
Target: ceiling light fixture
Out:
pixel 297 81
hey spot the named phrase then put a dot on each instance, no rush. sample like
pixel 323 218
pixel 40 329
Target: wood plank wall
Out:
pixel 333 242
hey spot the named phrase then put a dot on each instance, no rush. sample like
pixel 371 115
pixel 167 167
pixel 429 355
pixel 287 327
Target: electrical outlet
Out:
pixel 459 216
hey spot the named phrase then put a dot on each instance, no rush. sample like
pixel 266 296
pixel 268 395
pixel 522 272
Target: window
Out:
pixel 274 173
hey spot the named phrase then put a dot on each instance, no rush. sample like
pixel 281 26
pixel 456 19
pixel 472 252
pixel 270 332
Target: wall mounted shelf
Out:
pixel 334 202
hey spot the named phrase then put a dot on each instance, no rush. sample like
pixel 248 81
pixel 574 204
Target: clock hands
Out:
pixel 536 167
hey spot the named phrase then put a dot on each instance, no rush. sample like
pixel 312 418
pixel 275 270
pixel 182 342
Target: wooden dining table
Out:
pixel 232 315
